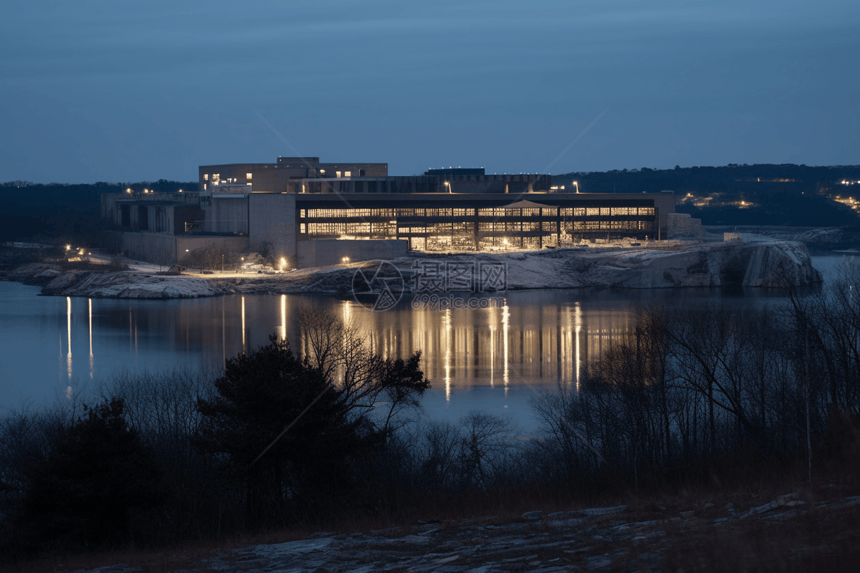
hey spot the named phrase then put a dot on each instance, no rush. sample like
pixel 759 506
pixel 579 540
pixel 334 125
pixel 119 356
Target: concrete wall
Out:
pixel 272 224
pixel 682 226
pixel 326 252
pixel 168 250
pixel 227 215
pixel 187 244
pixel 150 247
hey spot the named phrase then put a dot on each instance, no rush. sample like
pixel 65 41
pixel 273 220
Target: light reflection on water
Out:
pixel 492 359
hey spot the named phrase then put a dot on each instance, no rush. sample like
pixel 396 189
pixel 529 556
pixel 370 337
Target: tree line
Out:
pixel 46 212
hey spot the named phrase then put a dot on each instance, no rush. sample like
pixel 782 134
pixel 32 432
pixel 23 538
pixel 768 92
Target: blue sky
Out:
pixel 129 91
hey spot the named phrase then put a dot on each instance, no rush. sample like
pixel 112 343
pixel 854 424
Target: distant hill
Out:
pixel 764 194
pixel 35 211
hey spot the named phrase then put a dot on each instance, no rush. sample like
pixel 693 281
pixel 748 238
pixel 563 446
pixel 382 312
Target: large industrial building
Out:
pixel 313 213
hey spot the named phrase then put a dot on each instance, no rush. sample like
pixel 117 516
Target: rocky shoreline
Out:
pixel 770 264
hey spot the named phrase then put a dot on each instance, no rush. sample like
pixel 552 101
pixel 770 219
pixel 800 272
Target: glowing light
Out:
pixel 283 263
pixel 347 312
pixel 243 324
pixel 577 314
pixel 283 317
pixel 447 354
pixel 68 247
pixel 506 327
pixel 345 260
pixel 90 304
pixel 69 335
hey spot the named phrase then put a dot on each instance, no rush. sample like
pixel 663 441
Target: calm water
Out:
pixel 492 359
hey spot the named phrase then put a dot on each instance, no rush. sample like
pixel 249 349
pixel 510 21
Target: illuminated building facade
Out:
pixel 304 210
pixel 443 210
pixel 479 222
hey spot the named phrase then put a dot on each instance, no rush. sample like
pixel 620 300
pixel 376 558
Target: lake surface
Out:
pixel 493 359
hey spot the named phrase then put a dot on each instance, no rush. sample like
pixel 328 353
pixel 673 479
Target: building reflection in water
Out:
pixel 529 344
pixel 528 339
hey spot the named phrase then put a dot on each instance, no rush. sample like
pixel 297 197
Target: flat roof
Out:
pixel 488 199
pixel 157 203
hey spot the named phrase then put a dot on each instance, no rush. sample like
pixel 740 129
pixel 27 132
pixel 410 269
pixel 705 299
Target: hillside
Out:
pixel 787 195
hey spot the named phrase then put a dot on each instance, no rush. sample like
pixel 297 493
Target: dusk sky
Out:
pixel 121 91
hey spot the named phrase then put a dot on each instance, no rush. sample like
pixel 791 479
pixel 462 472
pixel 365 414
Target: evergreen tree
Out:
pixel 308 469
pixel 84 491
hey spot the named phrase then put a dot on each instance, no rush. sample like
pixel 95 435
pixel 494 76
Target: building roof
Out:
pixel 524 204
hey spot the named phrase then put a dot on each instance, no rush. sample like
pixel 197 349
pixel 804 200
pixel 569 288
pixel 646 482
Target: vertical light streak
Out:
pixel 346 316
pixel 347 312
pixel 492 356
pixel 506 328
pixel 577 317
pixel 90 304
pixel 243 324
pixel 69 339
pixel 448 355
pixel 283 317
pixel 223 333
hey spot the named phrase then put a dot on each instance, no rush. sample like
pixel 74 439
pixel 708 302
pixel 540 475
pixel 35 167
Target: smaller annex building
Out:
pixel 313 213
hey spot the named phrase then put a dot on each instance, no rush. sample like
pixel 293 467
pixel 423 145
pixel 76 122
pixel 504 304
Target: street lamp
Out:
pixel 448 185
pixel 345 260
pixel 576 184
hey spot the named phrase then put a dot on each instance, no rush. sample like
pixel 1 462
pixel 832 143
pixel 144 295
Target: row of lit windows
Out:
pixel 347 229
pixel 605 226
pixel 349 213
pixel 216 178
pixel 467 229
pixel 464 213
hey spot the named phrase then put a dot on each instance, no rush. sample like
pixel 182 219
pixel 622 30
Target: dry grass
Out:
pixel 817 540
